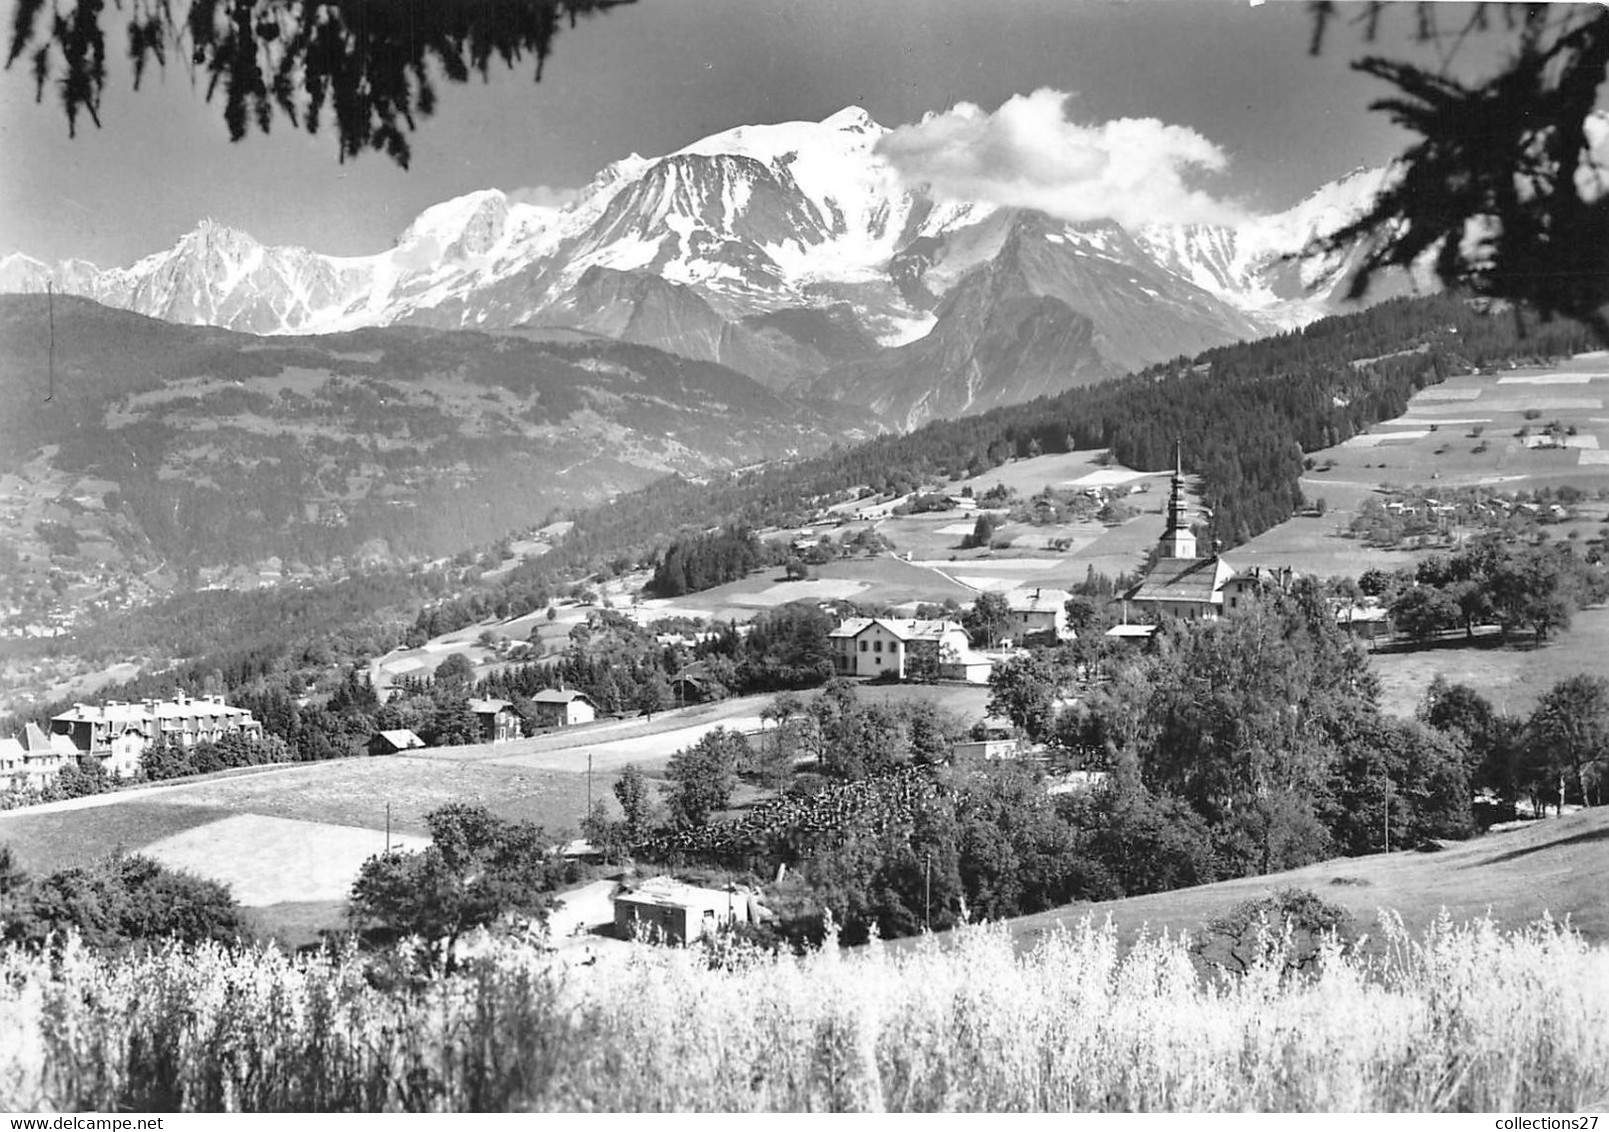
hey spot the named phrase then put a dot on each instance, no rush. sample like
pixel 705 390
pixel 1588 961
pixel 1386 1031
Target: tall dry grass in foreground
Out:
pixel 1463 1018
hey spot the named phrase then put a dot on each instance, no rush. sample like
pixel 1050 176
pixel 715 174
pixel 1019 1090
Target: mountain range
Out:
pixel 793 253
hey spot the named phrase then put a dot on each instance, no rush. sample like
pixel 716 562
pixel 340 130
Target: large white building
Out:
pixel 876 646
pixel 118 733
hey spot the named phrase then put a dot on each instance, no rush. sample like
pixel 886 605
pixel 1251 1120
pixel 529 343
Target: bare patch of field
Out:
pixel 815 589
pixel 1541 404
pixel 266 860
pixel 48 840
pixel 1551 379
pixel 882 580
pixel 1062 469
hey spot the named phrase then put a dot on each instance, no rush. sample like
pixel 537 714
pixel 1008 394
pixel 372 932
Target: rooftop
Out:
pixel 559 696
pixel 903 629
pixel 1037 600
pixel 664 892
pixel 1184 579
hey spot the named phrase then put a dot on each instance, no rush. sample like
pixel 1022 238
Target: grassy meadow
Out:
pixel 1553 866
pixel 1512 676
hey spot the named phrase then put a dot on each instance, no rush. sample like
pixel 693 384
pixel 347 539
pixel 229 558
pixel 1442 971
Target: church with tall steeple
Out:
pixel 1181 584
pixel 1178 540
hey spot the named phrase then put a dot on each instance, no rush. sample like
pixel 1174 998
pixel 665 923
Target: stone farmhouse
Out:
pixel 117 733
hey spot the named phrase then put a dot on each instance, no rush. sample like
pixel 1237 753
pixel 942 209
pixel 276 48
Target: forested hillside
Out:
pixel 1244 413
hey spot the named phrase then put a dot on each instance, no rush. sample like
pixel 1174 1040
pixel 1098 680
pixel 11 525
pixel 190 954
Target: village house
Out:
pixel 32 760
pixel 1249 584
pixel 679 913
pixel 497 720
pixel 393 742
pixel 558 707
pixel 1038 614
pixel 117 733
pixel 875 646
pixel 696 684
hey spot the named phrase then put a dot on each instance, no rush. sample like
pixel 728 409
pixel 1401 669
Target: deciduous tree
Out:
pixel 477 868
pixel 704 775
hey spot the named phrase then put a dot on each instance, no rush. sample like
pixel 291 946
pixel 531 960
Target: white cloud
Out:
pixel 545 195
pixel 1027 154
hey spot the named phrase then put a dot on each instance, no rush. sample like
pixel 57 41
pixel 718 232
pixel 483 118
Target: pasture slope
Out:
pixel 1554 866
pixel 1465 432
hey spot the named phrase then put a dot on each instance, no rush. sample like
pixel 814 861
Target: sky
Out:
pixel 1206 109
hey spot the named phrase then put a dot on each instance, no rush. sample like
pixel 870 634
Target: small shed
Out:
pixel 986 749
pixel 1132 634
pixel 392 742
pixel 680 913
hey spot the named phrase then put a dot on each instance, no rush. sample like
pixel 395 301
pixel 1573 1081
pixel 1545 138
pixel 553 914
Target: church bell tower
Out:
pixel 1178 541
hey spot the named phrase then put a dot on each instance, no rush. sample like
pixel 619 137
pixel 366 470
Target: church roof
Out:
pixel 1184 579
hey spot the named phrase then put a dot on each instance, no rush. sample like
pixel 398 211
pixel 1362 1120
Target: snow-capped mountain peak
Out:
pixel 758 230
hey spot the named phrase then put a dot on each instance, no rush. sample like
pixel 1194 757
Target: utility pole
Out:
pixel 1388 817
pixel 927 892
pixel 589 784
pixel 388 829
